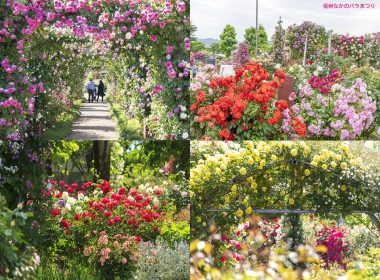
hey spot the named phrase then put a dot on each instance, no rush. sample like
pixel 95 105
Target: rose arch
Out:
pixel 279 178
pixel 47 48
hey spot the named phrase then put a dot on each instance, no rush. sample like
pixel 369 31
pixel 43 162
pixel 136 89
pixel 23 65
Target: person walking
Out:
pixel 90 90
pixel 194 70
pixel 101 91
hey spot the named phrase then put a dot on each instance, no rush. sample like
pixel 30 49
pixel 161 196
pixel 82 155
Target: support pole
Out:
pixel 305 52
pixel 257 26
pixel 329 43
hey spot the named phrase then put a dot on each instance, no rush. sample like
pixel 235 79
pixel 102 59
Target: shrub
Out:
pixel 161 261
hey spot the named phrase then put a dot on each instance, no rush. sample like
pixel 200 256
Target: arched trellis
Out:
pixel 293 162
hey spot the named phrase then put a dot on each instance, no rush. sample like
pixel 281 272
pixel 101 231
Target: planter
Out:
pixel 286 89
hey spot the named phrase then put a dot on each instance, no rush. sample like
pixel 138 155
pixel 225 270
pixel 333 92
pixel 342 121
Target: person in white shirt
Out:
pixel 91 88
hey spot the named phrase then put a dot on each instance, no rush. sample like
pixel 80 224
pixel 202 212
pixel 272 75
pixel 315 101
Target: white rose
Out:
pixel 71 200
pixel 185 135
pixel 65 195
pixel 183 115
pixel 128 36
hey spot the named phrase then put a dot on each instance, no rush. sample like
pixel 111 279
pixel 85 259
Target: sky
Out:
pixel 210 16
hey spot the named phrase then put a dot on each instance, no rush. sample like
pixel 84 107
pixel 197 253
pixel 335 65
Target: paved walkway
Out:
pixel 94 123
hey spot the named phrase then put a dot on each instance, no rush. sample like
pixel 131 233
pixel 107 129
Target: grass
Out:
pixel 63 127
pixel 129 129
pixel 75 273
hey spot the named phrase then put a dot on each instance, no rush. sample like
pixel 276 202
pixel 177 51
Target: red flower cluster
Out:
pixel 128 208
pixel 232 96
pixel 280 106
pixel 325 84
pixel 299 127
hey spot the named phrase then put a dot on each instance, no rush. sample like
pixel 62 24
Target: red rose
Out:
pixel 107 214
pixel 55 212
pixel 65 224
pixel 117 219
pixel 156 215
pixel 77 217
pixel 158 192
pixel 139 197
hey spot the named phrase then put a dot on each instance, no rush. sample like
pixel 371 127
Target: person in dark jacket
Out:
pixel 101 91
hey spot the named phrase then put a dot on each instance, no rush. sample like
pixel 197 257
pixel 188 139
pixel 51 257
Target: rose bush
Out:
pixel 242 106
pixel 104 223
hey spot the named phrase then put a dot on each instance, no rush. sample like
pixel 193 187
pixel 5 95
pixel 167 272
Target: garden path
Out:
pixel 94 123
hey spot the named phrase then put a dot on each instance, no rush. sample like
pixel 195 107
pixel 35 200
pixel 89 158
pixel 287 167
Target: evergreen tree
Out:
pixel 228 40
pixel 278 43
pixel 215 48
pixel 250 38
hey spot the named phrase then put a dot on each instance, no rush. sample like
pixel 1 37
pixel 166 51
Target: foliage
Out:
pixel 215 48
pixel 162 261
pixel 228 40
pixel 18 259
pixel 292 229
pixel 197 46
pixel 175 232
pixel 250 39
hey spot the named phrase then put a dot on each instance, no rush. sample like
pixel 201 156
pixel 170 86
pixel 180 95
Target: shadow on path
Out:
pixel 94 123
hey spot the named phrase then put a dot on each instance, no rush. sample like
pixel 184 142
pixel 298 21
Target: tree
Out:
pixel 215 48
pixel 250 38
pixel 278 43
pixel 197 46
pixel 193 30
pixel 228 40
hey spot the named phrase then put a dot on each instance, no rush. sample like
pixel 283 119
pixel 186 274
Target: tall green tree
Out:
pixel 197 46
pixel 250 38
pixel 228 42
pixel 215 48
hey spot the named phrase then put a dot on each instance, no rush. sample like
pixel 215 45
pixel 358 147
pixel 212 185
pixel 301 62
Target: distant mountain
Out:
pixel 208 41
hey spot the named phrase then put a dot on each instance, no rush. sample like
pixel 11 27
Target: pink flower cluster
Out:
pixel 345 113
pixel 334 239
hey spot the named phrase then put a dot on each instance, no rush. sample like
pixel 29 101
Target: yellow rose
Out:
pixel 264 189
pixel 294 152
pixel 343 188
pixel 250 161
pixel 254 184
pixel 307 172
pixel 282 193
pixel 324 166
pixel 248 210
pixel 343 165
pixel 291 201
pixel 239 213
pixel 273 157
pixel 243 171
pixel 333 164
pixel 198 219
